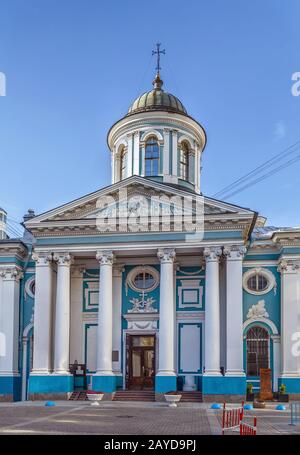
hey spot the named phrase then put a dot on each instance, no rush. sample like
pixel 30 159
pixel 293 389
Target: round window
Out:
pixel 30 287
pixel 143 278
pixel 257 282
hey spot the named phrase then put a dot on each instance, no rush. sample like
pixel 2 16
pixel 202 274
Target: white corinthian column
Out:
pixel 42 314
pixel 62 314
pixel 166 313
pixel 234 310
pixel 9 321
pixel 212 312
pixel 104 332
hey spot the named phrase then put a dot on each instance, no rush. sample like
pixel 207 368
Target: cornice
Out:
pixel 139 120
pixel 18 250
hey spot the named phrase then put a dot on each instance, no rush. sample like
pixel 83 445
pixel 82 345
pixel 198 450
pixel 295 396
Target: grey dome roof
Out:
pixel 157 100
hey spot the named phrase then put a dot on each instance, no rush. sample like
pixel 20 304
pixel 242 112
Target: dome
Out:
pixel 157 100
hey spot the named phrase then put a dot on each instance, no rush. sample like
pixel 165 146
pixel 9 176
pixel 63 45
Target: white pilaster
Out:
pixel 62 314
pixel 105 322
pixel 9 320
pixel 166 365
pixel 113 166
pixel 117 317
pixel 76 342
pixel 129 154
pixel 174 152
pixel 42 356
pixel 290 316
pixel 276 361
pixel 166 152
pixel 136 153
pixel 234 310
pixel 212 312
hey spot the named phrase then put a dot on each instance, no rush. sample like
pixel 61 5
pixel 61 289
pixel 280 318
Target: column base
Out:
pixel 164 384
pixel 51 386
pixel 10 388
pixel 292 384
pixel 106 384
pixel 229 388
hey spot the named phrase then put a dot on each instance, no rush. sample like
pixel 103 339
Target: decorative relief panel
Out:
pixel 190 294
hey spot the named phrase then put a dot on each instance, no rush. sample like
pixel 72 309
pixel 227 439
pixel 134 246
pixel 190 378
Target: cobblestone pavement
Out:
pixel 129 419
pixel 113 419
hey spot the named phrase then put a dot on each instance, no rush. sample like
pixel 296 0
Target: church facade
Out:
pixel 109 292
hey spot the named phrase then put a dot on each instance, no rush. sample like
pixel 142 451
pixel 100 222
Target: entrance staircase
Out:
pixel 191 397
pixel 78 396
pixel 134 395
pixel 140 395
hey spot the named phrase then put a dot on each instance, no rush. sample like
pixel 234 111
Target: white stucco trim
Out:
pixel 140 269
pixel 149 133
pixel 187 139
pixel 262 271
pixel 268 322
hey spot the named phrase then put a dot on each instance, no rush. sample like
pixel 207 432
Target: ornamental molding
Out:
pixel 196 316
pixel 151 132
pixel 288 266
pixel 158 120
pixel 234 252
pixel 91 229
pixel 212 253
pixel 42 258
pixel 13 249
pixel 11 273
pixel 143 305
pixel 264 320
pixel 258 311
pixel 63 258
pixel 270 277
pixel 105 257
pixel 29 286
pixel 166 255
pixel 140 269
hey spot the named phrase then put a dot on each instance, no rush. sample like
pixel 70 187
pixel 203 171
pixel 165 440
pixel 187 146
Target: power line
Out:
pixel 269 163
pixel 263 177
pixel 12 230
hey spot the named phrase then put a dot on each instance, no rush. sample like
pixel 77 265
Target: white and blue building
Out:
pixel 149 308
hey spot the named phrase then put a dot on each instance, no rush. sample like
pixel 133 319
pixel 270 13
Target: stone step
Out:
pixel 134 395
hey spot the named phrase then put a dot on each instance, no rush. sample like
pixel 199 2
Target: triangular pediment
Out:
pixel 86 210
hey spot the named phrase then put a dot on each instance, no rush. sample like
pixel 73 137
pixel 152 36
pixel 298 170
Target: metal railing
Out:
pixel 295 412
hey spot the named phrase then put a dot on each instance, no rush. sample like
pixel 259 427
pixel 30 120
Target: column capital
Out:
pixel 288 266
pixel 42 258
pixel 77 271
pixel 234 252
pixel 166 255
pixel 63 258
pixel 11 273
pixel 212 253
pixel 105 257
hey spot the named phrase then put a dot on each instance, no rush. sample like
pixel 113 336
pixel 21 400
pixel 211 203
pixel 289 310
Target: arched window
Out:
pixel 151 157
pixel 123 163
pixel 184 161
pixel 257 350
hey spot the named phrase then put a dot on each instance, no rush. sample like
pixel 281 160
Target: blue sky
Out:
pixel 73 67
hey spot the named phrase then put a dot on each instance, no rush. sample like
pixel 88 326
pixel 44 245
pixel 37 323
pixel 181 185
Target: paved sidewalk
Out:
pixel 130 418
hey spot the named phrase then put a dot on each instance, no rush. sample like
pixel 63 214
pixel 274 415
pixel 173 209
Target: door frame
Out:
pixel 139 333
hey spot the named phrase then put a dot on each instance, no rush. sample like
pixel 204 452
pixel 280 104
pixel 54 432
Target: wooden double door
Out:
pixel 140 356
